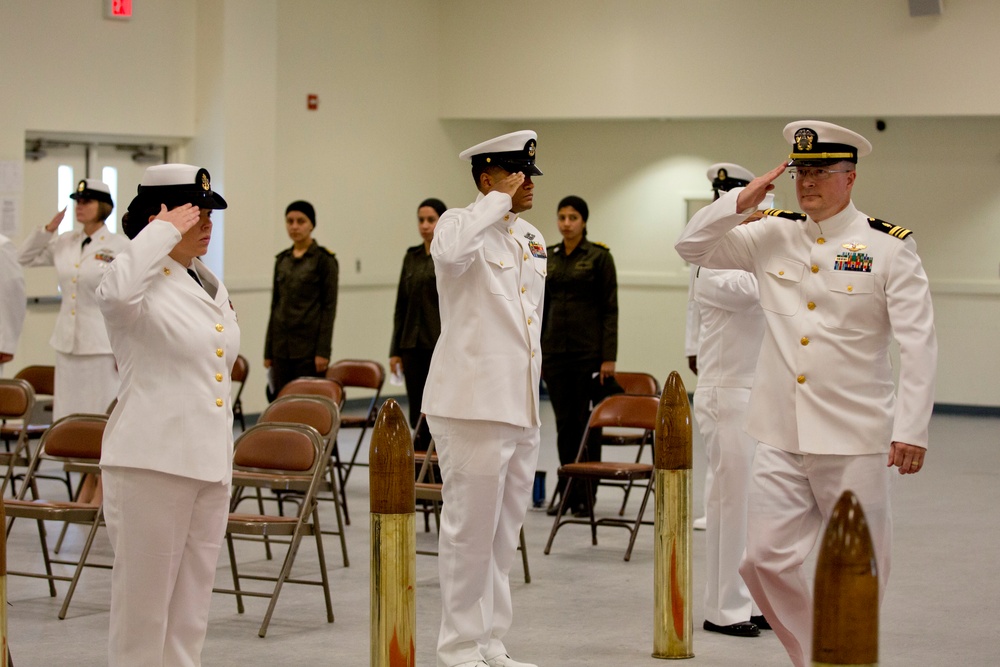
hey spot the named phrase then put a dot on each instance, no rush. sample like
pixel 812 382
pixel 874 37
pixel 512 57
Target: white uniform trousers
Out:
pixel 166 532
pixel 791 499
pixel 488 470
pixel 84 383
pixel 721 413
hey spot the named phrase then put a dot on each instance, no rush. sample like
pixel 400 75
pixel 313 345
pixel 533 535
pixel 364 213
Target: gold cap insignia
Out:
pixel 531 148
pixel 82 186
pixel 804 139
pixel 723 174
pixel 205 184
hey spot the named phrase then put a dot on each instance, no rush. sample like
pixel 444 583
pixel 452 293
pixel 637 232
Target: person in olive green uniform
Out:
pixel 417 320
pixel 579 332
pixel 303 304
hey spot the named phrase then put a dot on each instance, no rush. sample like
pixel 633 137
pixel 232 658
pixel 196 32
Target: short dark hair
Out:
pixel 436 204
pixel 480 169
pixel 104 210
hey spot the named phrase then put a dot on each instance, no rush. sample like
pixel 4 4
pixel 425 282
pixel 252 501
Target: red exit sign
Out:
pixel 118 9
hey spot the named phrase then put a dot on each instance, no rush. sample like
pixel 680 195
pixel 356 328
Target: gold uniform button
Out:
pixel 73 312
pixel 76 266
pixel 501 263
pixel 219 402
pixel 218 377
pixel 805 340
pixel 532 355
pixel 166 271
pixel 507 217
pixel 74 279
pixel 510 230
pixel 523 289
pixel 529 320
pixel 781 273
pixel 526 257
pixel 219 352
pixel 850 288
pixel 814 269
pixel 801 379
pixel 73 296
pixel 821 240
pixel 219 327
pixel 811 306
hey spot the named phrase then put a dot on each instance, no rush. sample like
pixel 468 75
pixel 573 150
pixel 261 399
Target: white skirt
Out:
pixel 84 383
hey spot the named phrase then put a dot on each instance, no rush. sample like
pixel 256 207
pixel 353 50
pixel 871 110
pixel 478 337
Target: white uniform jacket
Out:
pixel 490 267
pixel 12 300
pixel 732 327
pixel 175 343
pixel 79 327
pixel 834 294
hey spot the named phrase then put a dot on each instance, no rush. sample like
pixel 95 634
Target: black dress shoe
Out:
pixel 554 510
pixel 760 622
pixel 745 629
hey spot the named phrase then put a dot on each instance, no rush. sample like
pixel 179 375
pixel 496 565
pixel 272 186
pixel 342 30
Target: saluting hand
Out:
pixel 55 222
pixel 754 193
pixel 510 183
pixel 182 218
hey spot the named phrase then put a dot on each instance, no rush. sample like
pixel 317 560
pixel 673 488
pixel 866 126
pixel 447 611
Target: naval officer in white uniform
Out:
pixel 86 377
pixel 731 329
pixel 836 287
pixel 481 396
pixel 12 300
pixel 167 452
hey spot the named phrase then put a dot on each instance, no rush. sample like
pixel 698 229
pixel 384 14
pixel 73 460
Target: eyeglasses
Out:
pixel 815 173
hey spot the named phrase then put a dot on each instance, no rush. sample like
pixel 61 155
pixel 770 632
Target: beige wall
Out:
pixel 615 91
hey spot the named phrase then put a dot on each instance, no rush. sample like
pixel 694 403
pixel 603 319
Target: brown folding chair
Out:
pixel 43 380
pixel 618 411
pixel 310 386
pixel 241 369
pixel 427 489
pixel 320 413
pixel 362 374
pixel 279 456
pixel 635 384
pixel 17 404
pixel 75 442
pixel 333 390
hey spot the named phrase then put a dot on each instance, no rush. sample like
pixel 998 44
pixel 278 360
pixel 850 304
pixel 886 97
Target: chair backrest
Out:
pixel 278 448
pixel 314 410
pixel 625 410
pixel 238 376
pixel 76 436
pixel 639 384
pixel 17 399
pixel 332 389
pixel 357 373
pixel 41 378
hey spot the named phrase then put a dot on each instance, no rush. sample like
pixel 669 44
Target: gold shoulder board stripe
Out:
pixel 890 229
pixel 779 213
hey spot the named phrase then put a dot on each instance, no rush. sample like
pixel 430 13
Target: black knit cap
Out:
pixel 303 207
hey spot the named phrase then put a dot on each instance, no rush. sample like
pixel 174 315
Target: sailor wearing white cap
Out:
pixel 481 396
pixel 167 453
pixel 86 378
pixel 836 287
pixel 731 326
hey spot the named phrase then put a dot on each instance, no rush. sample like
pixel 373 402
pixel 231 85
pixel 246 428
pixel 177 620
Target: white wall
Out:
pixel 405 85
pixel 654 59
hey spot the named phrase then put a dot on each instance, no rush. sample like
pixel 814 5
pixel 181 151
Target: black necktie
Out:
pixel 84 244
pixel 195 277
